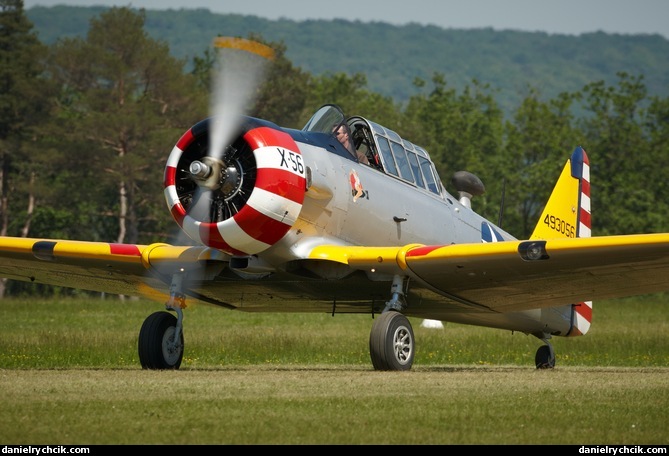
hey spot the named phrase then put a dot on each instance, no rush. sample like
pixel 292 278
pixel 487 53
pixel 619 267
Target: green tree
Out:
pixel 23 106
pixel 461 132
pixel 621 157
pixel 124 103
pixel 656 126
pixel 281 92
pixel 539 139
pixel 350 92
pixel 22 109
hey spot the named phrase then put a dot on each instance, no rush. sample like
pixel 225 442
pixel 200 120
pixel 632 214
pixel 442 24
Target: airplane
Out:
pixel 294 220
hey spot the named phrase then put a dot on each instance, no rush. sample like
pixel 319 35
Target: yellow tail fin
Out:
pixel 567 212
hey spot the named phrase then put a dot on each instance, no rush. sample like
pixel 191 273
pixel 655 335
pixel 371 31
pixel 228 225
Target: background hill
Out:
pixel 392 56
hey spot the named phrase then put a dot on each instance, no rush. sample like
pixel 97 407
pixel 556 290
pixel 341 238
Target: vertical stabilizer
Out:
pixel 568 214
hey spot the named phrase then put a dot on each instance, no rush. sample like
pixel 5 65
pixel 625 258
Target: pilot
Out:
pixel 343 134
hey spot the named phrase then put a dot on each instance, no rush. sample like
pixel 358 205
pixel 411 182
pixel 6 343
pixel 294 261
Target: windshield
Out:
pixel 326 119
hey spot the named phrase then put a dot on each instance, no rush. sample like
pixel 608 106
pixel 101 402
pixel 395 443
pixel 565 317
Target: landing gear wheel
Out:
pixel 157 346
pixel 545 358
pixel 391 342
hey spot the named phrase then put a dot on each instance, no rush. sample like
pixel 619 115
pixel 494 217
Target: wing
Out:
pixel 129 269
pixel 521 275
pixel 205 276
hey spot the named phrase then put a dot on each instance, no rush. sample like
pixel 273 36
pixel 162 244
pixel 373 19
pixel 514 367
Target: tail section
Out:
pixel 567 214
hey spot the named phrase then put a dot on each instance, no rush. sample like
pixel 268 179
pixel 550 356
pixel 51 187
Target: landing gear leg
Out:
pixel 397 301
pixel 391 341
pixel 161 340
pixel 545 357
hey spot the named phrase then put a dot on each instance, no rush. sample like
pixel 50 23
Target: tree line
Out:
pixel 391 56
pixel 87 123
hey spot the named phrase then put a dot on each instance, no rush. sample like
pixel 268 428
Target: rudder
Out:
pixel 568 214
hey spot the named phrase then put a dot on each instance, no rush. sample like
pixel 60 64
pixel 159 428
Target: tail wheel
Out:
pixel 391 342
pixel 158 347
pixel 545 358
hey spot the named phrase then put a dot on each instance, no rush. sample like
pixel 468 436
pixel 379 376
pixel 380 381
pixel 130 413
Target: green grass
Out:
pixel 70 374
pixel 98 333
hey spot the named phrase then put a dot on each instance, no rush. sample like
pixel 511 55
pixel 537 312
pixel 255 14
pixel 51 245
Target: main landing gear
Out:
pixel 161 339
pixel 392 344
pixel 391 341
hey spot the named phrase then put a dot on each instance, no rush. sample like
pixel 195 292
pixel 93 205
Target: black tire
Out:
pixel 391 342
pixel 155 348
pixel 544 359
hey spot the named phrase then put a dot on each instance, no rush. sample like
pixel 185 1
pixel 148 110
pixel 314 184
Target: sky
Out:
pixel 570 17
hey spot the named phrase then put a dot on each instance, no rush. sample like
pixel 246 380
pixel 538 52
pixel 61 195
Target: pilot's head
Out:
pixel 341 132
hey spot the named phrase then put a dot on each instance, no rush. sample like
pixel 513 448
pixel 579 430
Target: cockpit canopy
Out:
pixel 380 148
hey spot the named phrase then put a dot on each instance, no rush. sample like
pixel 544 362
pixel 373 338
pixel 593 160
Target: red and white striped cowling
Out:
pixel 272 208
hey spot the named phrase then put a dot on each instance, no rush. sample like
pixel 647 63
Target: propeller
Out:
pixel 212 180
pixel 233 182
pixel 239 69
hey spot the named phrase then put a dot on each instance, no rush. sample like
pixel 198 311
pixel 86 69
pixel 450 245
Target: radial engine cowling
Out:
pixel 244 201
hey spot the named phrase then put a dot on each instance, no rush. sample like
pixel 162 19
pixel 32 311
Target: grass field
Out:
pixel 70 374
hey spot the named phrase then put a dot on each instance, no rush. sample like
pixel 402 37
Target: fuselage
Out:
pixel 351 203
pixel 281 193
